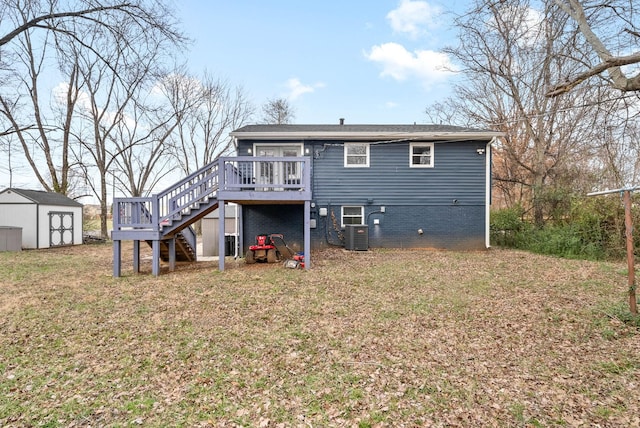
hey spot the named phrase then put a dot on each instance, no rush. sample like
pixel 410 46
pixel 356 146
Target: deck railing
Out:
pixel 267 174
pixel 243 173
pixel 152 212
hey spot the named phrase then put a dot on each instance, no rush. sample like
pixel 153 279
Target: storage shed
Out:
pixel 211 228
pixel 47 219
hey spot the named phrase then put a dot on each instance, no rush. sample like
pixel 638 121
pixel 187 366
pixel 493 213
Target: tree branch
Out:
pixel 74 14
pixel 598 69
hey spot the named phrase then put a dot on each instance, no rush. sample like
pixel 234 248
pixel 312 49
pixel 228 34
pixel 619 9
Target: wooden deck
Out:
pixel 168 215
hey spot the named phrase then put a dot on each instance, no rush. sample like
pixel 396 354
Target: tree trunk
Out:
pixel 104 232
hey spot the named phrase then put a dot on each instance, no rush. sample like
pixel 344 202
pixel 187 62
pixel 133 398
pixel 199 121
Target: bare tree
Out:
pixel 115 132
pixel 46 15
pixel 508 54
pixel 615 47
pixel 209 109
pixel 141 143
pixel 39 43
pixel 277 111
pixel 42 140
pixel 618 145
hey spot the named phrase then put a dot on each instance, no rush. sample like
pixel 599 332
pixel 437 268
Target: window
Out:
pixel 356 155
pixel 352 215
pixel 421 155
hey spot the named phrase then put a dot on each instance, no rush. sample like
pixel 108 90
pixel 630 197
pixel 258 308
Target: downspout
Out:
pixel 487 204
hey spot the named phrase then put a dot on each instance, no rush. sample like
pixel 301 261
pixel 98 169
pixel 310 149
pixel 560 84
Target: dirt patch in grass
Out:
pixel 377 338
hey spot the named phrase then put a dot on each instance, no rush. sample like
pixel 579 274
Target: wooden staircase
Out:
pixel 164 221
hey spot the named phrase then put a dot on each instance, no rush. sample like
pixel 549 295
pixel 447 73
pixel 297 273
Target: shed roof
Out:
pixel 363 132
pixel 45 198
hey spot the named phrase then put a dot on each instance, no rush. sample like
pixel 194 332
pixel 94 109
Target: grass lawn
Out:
pixel 378 338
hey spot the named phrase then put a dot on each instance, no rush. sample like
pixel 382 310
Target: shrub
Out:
pixel 593 228
pixel 505 225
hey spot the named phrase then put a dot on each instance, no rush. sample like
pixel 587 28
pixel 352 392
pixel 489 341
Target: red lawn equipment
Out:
pixel 271 248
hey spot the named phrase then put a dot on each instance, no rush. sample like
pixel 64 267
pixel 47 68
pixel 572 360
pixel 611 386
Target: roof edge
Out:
pixel 363 135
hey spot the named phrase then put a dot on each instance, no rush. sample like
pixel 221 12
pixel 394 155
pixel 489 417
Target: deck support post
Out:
pixel 155 269
pixel 172 253
pixel 221 237
pixel 307 235
pixel 240 232
pixel 136 256
pixel 116 258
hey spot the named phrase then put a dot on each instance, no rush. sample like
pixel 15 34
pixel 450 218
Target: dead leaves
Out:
pixel 382 338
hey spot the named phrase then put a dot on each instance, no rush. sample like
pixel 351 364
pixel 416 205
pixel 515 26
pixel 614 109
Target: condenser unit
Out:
pixel 356 237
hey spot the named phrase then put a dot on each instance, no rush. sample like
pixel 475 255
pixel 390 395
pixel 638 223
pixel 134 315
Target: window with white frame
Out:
pixel 352 215
pixel 421 155
pixel 356 155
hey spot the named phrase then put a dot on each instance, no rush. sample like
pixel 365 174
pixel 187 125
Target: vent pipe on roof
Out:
pixel 342 121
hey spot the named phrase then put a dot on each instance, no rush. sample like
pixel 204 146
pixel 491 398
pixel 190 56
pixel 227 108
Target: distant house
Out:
pixel 47 219
pixel 357 186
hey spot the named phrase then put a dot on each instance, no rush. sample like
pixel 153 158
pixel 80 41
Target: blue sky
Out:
pixel 373 61
pixel 366 61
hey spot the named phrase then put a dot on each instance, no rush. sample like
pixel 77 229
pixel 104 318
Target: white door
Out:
pixel 60 228
pixel 275 173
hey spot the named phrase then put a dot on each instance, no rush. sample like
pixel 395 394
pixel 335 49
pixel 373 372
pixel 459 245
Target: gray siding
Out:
pixel 458 173
pixel 266 219
pixel 447 202
pixel 443 227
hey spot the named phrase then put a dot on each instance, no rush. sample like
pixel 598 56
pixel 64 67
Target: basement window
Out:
pixel 421 155
pixel 352 215
pixel 356 155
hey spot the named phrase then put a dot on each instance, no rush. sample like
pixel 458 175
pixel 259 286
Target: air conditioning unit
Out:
pixel 356 237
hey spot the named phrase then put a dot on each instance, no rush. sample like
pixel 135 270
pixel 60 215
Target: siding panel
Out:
pixel 447 202
pixel 458 173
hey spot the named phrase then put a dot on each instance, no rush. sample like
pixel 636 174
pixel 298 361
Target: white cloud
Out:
pixel 528 22
pixel 60 92
pixel 530 29
pixel 296 88
pixel 428 66
pixel 414 18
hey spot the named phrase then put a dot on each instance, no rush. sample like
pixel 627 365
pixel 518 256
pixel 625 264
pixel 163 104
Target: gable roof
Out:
pixel 45 198
pixel 362 132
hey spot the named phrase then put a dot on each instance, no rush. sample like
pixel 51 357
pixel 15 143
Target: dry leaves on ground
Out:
pixel 378 338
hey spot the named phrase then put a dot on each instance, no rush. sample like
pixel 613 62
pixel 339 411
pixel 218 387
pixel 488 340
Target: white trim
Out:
pixel 487 204
pixel 350 206
pixel 364 136
pixel 431 155
pixel 367 155
pixel 286 145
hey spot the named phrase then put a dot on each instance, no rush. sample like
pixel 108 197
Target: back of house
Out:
pixel 388 186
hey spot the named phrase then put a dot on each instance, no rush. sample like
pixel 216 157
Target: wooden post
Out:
pixel 221 232
pixel 628 222
pixel 136 256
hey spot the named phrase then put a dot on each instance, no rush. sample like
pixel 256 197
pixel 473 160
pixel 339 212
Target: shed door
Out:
pixel 60 228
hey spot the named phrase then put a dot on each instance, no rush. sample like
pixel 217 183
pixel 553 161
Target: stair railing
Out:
pixel 189 193
pixel 152 212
